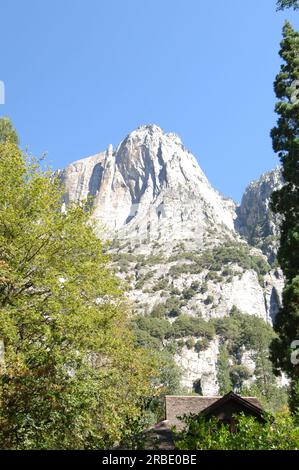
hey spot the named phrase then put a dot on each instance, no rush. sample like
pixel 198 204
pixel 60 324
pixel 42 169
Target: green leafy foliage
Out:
pixel 7 131
pixel 202 344
pixel 158 328
pixel 216 259
pixel 72 376
pixel 239 330
pixel 183 326
pixel 186 325
pixel 169 376
pixel 223 370
pixel 188 293
pixel 190 343
pixel 245 332
pixel 170 308
pixel 282 433
pixel 161 284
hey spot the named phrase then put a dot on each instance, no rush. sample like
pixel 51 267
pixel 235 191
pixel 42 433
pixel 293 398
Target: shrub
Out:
pixel 142 279
pixel 202 344
pixel 238 374
pixel 157 327
pixel 204 288
pixel 190 343
pixel 213 276
pixel 227 272
pixel 172 347
pixel 146 340
pixel 175 291
pixel 188 293
pixel 209 299
pixel 161 284
pixel 171 308
pixel 191 326
pixel 282 433
pixel 195 285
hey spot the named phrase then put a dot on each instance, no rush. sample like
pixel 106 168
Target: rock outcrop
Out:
pixel 181 247
pixel 150 185
pixel 255 220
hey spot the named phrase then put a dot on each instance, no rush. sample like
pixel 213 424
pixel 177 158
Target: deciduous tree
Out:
pixel 71 375
pixel 7 131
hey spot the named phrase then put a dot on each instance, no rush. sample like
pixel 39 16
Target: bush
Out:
pixel 154 259
pixel 175 291
pixel 170 308
pixel 142 279
pixel 282 433
pixel 214 276
pixel 146 340
pixel 188 293
pixel 191 326
pixel 215 259
pixel 195 285
pixel 227 272
pixel 161 284
pixel 239 373
pixel 209 300
pixel 156 327
pixel 204 288
pixel 171 347
pixel 202 344
pixel 190 343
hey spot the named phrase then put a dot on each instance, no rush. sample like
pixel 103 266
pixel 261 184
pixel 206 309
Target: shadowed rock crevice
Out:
pixel 95 179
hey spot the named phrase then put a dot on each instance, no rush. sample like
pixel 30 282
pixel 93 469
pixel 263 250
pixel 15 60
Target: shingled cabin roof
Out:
pixel 176 405
pixel 250 404
pixel 159 436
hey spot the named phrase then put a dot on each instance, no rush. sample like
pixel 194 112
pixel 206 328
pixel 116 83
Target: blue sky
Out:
pixel 81 74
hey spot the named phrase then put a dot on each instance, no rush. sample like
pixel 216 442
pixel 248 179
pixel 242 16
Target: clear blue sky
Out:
pixel 81 74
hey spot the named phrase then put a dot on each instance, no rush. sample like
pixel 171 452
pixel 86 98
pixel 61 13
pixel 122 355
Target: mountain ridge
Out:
pixel 180 247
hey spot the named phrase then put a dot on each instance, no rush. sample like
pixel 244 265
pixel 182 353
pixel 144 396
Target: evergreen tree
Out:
pixel 223 370
pixel 71 376
pixel 285 137
pixel 283 4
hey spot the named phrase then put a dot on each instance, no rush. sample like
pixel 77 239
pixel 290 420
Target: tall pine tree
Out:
pixel 285 137
pixel 283 4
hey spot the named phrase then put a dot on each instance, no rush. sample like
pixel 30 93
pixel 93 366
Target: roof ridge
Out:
pixel 197 396
pixel 207 396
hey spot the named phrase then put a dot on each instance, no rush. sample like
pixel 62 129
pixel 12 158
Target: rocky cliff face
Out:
pixel 174 241
pixel 151 185
pixel 255 220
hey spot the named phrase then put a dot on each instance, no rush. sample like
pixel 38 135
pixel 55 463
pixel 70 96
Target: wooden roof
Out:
pixel 250 403
pixel 176 405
